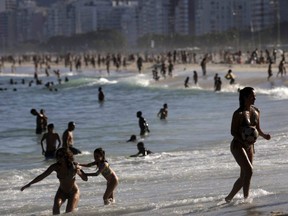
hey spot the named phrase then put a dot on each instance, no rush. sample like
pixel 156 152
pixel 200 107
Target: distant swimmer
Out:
pixel 107 172
pixel 101 95
pixel 270 74
pixel 230 76
pixel 142 151
pixel 67 139
pixel 51 139
pixel 133 138
pixel 40 121
pixel 186 82
pixel 163 112
pixel 66 171
pixel 144 128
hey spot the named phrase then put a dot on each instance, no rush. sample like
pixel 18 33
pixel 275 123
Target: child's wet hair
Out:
pixel 100 151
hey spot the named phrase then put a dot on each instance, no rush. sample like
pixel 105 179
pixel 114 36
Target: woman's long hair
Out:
pixel 243 95
pixel 67 154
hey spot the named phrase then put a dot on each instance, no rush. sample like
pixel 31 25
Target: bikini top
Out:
pixel 106 170
pixel 250 117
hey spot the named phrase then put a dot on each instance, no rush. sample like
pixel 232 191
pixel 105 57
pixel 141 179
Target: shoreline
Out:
pixel 246 74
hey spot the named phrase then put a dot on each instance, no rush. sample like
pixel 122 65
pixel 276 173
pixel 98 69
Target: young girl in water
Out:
pixel 107 172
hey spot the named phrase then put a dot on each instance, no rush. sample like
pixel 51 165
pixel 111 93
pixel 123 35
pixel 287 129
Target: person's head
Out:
pixel 33 111
pixel 229 71
pixel 42 111
pixel 64 154
pixel 71 125
pixel 140 146
pixel 165 105
pixel 50 127
pixel 246 95
pixel 100 89
pixel 133 138
pixel 139 114
pixel 99 155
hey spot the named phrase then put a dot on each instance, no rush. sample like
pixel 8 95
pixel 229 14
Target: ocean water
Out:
pixel 191 170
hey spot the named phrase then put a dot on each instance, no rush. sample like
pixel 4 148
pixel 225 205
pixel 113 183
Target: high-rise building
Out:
pixel 215 16
pixel 7 5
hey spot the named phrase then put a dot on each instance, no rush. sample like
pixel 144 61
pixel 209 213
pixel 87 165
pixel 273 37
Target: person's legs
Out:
pixel 246 167
pixel 73 201
pixel 58 201
pixel 109 191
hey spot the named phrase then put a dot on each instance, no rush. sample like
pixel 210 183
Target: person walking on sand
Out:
pixel 51 139
pixel 246 115
pixel 163 112
pixel 68 140
pixel 106 171
pixel 142 124
pixel 66 170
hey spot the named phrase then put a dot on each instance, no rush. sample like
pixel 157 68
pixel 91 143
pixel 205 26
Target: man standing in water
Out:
pixel 67 138
pixel 41 120
pixel 51 138
pixel 142 124
pixel 163 112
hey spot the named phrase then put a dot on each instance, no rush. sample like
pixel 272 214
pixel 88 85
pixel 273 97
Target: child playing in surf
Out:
pixel 107 172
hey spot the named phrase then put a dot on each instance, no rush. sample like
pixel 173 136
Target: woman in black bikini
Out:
pixel 246 115
pixel 66 170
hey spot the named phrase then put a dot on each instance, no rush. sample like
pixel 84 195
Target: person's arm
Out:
pixel 42 140
pixel 88 165
pixel 261 133
pixel 59 140
pixel 158 114
pixel 40 177
pixel 64 139
pixel 99 171
pixel 235 126
pixel 136 155
pixel 80 172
